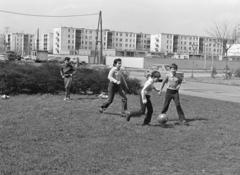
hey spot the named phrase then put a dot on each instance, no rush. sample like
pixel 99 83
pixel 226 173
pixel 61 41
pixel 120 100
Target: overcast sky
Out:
pixel 148 16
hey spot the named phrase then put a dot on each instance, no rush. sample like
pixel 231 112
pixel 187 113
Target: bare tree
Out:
pixel 225 35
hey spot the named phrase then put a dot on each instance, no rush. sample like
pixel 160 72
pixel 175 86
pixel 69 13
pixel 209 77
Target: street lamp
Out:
pixel 205 55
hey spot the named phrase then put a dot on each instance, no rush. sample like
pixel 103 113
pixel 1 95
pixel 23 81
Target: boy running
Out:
pixel 116 83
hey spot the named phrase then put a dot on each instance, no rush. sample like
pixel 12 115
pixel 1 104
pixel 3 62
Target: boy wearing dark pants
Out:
pixel 145 102
pixel 174 83
pixel 66 71
pixel 117 81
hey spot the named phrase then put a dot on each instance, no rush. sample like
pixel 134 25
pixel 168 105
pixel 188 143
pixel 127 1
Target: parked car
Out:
pixel 164 69
pixel 12 56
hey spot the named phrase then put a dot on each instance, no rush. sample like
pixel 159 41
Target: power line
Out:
pixel 47 16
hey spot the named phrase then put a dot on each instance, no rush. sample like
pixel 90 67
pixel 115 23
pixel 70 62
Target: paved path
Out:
pixel 214 91
pixel 205 90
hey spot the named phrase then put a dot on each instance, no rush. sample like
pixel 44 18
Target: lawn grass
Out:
pixel 42 134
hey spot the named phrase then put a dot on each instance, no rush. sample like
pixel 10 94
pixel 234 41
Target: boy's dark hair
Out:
pixel 155 74
pixel 66 58
pixel 116 61
pixel 173 65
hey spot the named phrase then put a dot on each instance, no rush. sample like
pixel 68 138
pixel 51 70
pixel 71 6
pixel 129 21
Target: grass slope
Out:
pixel 43 134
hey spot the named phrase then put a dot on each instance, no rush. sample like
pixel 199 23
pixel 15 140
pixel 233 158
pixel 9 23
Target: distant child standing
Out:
pixel 145 102
pixel 174 83
pixel 66 71
pixel 117 81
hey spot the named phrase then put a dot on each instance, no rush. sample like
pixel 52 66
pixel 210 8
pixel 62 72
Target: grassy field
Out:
pixel 42 134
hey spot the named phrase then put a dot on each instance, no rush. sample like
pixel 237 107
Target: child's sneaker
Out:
pixel 183 122
pixel 123 114
pixel 101 110
pixel 128 115
pixel 67 99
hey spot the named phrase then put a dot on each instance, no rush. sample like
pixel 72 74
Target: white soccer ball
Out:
pixel 162 118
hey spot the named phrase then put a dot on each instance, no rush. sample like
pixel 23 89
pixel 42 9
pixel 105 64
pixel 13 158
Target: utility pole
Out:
pixel 98 50
pixel 194 47
pixel 37 39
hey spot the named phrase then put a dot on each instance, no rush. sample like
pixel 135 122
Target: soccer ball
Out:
pixel 162 118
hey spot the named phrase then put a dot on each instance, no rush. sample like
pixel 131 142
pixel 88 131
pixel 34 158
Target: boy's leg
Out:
pixel 178 107
pixel 111 93
pixel 67 84
pixel 168 98
pixel 124 99
pixel 148 116
pixel 137 113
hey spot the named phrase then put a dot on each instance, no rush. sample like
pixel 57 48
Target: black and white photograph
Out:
pixel 119 87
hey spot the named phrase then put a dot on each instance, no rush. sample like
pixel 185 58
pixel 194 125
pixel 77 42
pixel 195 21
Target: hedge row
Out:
pixel 45 78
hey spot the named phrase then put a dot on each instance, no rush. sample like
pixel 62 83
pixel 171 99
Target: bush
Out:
pixel 237 73
pixel 45 78
pixel 27 78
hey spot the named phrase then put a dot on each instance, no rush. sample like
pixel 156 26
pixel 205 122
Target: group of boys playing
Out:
pixel 117 81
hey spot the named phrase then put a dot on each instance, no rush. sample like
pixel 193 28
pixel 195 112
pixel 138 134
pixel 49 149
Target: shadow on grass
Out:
pixel 167 125
pixel 191 119
pixel 196 119
pixel 176 123
pixel 87 98
pixel 112 113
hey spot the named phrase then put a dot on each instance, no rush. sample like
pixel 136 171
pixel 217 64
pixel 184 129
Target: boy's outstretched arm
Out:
pixel 144 91
pixel 110 76
pixel 125 82
pixel 162 85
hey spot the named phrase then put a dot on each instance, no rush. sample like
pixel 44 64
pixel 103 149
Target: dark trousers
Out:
pixel 112 89
pixel 142 110
pixel 173 94
pixel 67 85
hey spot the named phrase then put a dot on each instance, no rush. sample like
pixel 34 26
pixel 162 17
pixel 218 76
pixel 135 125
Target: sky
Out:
pixel 193 17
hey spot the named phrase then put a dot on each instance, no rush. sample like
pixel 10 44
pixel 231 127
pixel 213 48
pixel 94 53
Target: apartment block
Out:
pixel 186 44
pixel 46 42
pixel 67 40
pixel 20 43
pixel 64 39
pixel 143 41
pixel 121 40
